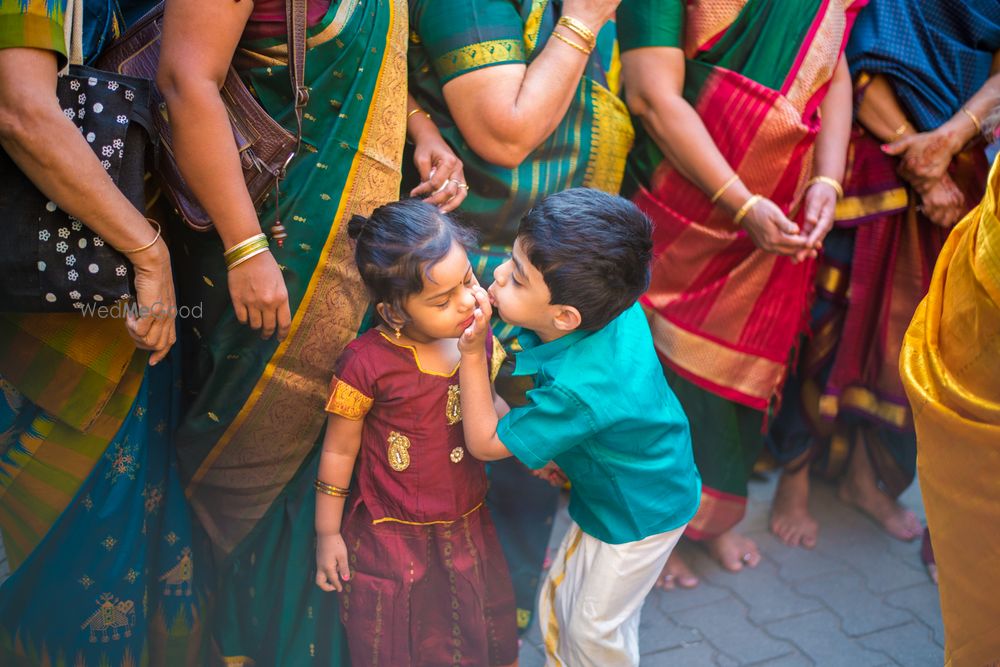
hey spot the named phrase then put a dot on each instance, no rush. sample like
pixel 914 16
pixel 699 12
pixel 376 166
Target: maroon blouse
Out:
pixel 268 17
pixel 412 465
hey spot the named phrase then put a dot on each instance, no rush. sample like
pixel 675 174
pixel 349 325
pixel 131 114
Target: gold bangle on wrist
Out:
pixel 747 205
pixel 236 262
pixel 974 118
pixel 256 238
pixel 900 130
pixel 580 28
pixel 569 41
pixel 244 250
pixel 148 245
pixel 832 182
pixel 416 111
pixel 725 186
pixel 330 489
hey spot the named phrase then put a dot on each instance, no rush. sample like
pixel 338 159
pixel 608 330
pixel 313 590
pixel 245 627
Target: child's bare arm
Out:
pixel 336 465
pixel 479 412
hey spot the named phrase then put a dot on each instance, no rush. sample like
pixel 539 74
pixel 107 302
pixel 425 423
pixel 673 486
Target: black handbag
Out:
pixel 51 262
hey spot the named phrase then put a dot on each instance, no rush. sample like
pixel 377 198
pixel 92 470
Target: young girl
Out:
pixel 416 555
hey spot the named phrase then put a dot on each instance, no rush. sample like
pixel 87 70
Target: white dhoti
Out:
pixel 590 602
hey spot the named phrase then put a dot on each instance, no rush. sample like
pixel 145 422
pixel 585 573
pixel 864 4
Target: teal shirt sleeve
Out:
pixel 460 36
pixel 553 422
pixel 644 23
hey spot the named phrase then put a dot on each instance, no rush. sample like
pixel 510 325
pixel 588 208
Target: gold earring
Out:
pixel 397 333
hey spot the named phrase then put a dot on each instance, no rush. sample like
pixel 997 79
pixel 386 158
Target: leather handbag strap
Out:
pixel 295 21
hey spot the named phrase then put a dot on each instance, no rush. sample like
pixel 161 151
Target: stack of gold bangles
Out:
pixel 244 250
pixel 832 182
pixel 580 29
pixel 330 489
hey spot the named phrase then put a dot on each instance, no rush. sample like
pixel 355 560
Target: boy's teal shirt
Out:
pixel 602 410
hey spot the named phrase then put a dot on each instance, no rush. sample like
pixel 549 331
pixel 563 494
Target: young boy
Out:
pixel 600 410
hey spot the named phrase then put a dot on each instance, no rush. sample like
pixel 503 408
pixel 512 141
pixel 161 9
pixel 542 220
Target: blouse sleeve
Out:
pixel 643 23
pixel 352 387
pixel 465 35
pixel 33 23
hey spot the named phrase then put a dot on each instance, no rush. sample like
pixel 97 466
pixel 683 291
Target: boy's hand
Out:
pixel 331 562
pixel 473 340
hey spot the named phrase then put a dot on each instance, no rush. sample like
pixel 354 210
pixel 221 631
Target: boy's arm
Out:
pixel 479 412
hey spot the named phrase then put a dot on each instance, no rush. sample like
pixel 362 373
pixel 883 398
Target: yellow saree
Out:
pixel 950 365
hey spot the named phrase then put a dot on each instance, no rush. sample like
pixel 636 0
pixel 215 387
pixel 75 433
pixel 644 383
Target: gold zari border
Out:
pixel 348 402
pixel 474 56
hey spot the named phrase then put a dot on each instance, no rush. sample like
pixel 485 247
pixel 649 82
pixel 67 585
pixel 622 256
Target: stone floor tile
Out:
pixel 725 625
pixel 697 654
pixel 766 597
pixel 912 645
pixel 860 611
pixel 818 635
pixel 530 656
pixel 796 659
pixel 657 632
pixel 923 602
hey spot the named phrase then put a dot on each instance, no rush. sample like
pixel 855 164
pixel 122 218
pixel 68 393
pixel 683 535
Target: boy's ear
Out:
pixel 567 318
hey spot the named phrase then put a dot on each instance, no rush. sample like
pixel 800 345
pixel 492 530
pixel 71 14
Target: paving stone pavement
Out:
pixel 860 598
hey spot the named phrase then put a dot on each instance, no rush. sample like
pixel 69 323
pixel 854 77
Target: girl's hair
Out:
pixel 398 245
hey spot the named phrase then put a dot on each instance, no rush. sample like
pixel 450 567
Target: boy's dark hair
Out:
pixel 399 244
pixel 593 249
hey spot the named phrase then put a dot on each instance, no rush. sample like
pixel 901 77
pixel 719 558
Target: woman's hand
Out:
pixel 260 297
pixel 331 562
pixel 772 231
pixel 924 157
pixel 943 203
pixel 595 13
pixel 151 325
pixel 820 205
pixel 442 179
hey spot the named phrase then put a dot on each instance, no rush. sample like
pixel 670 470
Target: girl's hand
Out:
pixel 331 562
pixel 260 297
pixel 441 172
pixel 473 339
pixel 924 157
pixel 152 327
pixel 551 473
pixel 771 231
pixel 943 203
pixel 820 206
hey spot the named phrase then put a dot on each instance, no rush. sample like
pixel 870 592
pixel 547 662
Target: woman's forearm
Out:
pixel 52 153
pixel 880 112
pixel 831 144
pixel 208 158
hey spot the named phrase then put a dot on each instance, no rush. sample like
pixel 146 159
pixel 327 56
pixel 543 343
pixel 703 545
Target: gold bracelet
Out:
pixel 148 245
pixel 725 186
pixel 832 182
pixel 900 130
pixel 417 110
pixel 580 28
pixel 330 489
pixel 245 256
pixel 747 205
pixel 243 244
pixel 576 46
pixel 975 120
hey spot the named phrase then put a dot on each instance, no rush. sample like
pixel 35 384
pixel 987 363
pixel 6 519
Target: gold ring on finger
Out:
pixel 459 183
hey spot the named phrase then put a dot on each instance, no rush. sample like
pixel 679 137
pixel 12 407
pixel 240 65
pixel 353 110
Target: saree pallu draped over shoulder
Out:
pixel 257 406
pixel 725 315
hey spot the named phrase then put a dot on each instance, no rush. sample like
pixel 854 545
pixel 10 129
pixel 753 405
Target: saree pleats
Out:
pixel 950 363
pixel 249 439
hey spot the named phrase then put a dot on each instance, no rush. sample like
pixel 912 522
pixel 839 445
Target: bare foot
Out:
pixel 676 573
pixel 790 519
pixel 859 489
pixel 733 551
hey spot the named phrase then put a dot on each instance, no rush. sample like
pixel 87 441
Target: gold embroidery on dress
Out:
pixel 453 409
pixel 457 454
pixel 479 55
pixel 112 614
pixel 177 580
pixel 347 401
pixel 499 356
pixel 399 456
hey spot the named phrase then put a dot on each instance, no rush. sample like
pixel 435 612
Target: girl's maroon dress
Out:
pixel 429 583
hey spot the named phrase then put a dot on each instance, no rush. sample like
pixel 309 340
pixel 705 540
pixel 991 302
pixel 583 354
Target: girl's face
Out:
pixel 444 307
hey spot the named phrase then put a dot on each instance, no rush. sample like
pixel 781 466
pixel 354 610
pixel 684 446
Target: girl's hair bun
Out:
pixel 355 225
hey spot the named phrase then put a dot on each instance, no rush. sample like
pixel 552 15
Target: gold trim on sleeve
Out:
pixel 479 55
pixel 348 402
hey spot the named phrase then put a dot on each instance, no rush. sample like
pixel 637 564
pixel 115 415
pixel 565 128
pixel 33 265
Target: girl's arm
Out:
pixel 654 81
pixel 336 465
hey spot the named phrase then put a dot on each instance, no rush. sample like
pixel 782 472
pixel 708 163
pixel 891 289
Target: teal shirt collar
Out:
pixel 535 353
